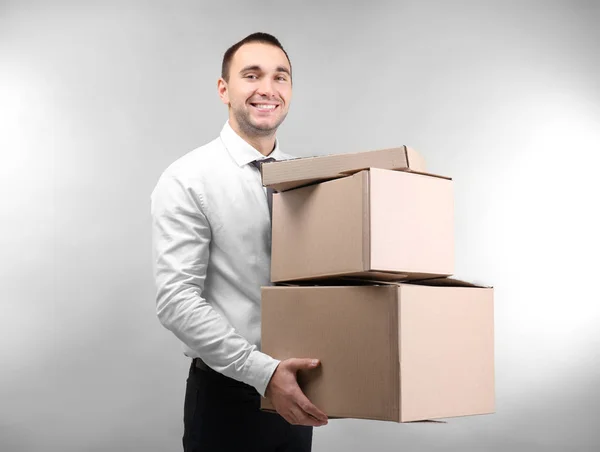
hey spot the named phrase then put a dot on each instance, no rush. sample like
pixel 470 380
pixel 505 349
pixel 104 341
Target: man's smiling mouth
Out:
pixel 264 107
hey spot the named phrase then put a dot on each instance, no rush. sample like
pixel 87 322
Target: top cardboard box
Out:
pixel 377 223
pixel 287 174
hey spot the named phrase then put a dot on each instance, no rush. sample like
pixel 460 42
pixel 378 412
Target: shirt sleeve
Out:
pixel 181 238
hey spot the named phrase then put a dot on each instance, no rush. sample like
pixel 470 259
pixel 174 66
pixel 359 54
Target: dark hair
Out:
pixel 263 38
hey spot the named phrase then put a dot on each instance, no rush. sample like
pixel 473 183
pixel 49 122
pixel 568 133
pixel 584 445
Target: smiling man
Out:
pixel 211 255
pixel 258 95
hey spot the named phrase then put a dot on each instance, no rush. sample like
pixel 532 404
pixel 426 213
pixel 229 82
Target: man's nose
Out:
pixel 266 87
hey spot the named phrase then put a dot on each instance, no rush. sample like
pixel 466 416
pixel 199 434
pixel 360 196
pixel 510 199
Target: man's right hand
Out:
pixel 287 397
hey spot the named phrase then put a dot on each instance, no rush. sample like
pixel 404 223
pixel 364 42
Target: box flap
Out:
pixel 336 282
pixel 446 282
pixel 287 174
pixel 285 186
pixel 416 162
pixel 362 281
pixel 350 173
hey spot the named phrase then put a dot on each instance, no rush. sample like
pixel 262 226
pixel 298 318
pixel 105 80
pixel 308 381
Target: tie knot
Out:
pixel 258 163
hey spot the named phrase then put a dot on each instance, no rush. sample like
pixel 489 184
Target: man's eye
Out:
pixel 251 76
pixel 281 78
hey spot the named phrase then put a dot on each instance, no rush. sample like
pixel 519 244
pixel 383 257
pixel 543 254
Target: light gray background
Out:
pixel 97 98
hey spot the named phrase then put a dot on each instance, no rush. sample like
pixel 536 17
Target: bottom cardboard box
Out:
pixel 399 352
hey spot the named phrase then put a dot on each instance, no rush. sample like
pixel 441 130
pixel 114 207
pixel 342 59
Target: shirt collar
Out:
pixel 241 151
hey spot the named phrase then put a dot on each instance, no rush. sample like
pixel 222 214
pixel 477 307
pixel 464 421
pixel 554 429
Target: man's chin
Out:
pixel 265 128
pixel 259 126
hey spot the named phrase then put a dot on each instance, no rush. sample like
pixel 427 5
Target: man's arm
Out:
pixel 181 246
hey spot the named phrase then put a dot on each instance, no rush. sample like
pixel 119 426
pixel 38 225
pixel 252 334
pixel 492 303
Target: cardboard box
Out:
pixel 377 223
pixel 288 174
pixel 399 352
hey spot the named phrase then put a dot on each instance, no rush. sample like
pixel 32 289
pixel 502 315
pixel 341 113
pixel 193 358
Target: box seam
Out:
pixel 398 301
pixel 366 180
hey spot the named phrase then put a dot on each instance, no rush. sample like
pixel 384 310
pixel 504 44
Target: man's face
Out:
pixel 259 90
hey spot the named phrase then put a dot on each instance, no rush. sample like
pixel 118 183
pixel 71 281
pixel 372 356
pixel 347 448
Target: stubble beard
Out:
pixel 245 123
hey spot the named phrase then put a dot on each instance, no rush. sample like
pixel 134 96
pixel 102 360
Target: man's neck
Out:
pixel 263 144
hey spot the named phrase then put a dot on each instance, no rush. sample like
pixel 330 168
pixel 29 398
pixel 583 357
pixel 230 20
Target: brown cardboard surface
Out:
pixel 322 310
pixel 376 223
pixel 294 173
pixel 397 352
pixel 312 228
pixel 411 223
pixel 446 351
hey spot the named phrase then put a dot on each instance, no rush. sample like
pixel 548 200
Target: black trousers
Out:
pixel 223 415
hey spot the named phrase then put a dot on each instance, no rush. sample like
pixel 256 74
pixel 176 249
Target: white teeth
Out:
pixel 266 107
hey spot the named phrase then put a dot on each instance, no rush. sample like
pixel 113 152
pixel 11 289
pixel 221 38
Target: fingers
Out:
pixel 310 413
pixel 298 410
pixel 288 398
pixel 302 418
pixel 311 410
pixel 297 364
pixel 297 416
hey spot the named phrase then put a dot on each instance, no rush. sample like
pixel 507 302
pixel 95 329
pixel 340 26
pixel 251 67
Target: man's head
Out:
pixel 256 84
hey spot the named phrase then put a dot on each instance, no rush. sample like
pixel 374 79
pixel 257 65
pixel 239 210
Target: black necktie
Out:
pixel 258 165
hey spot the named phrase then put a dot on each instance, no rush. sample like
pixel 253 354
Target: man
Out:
pixel 211 247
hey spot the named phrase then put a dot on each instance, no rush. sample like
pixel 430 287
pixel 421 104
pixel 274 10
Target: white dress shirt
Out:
pixel 211 237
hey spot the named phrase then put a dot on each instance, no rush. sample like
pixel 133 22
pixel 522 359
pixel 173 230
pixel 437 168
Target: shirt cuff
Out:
pixel 259 370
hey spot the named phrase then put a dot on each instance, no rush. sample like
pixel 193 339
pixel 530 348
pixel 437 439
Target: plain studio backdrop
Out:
pixel 97 98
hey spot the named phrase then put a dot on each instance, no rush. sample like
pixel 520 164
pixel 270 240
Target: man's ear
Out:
pixel 223 90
